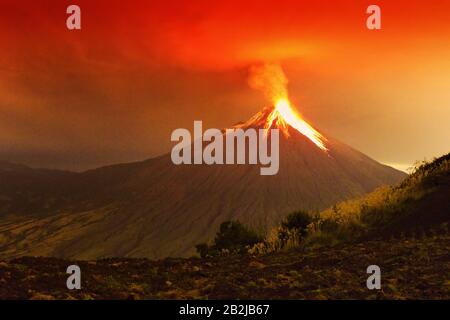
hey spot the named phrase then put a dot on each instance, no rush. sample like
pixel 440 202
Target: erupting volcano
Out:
pixel 271 80
pixel 157 209
pixel 283 116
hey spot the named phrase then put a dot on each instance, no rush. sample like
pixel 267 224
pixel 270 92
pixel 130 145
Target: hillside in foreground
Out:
pixel 403 229
pixel 412 268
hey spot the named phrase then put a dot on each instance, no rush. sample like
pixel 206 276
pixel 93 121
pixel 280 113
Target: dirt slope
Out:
pixel 410 269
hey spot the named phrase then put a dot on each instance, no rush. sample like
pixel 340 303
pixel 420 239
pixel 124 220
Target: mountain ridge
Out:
pixel 156 209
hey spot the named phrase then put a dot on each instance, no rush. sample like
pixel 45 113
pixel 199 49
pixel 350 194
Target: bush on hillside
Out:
pixel 298 221
pixel 232 237
pixel 289 234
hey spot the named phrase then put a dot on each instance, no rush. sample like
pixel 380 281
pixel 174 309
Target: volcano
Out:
pixel 156 209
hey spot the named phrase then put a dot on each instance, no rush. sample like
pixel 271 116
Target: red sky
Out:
pixel 137 70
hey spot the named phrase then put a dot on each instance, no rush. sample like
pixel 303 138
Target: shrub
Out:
pixel 287 235
pixel 232 237
pixel 297 221
pixel 329 226
pixel 202 249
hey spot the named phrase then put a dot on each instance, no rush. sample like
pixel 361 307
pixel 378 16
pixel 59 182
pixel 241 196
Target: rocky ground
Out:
pixel 412 268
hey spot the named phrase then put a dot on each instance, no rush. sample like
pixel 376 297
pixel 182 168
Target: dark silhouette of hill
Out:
pixel 422 201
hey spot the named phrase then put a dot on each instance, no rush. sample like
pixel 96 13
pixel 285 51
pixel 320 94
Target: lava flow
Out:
pixel 283 115
pixel 270 79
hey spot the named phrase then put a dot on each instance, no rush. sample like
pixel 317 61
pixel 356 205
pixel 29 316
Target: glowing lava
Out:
pixel 283 115
pixel 270 79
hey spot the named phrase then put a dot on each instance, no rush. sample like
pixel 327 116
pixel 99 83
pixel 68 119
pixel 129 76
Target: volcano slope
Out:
pixel 411 247
pixel 156 209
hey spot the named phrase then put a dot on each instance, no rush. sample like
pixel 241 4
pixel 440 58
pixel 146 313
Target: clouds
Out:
pixel 116 89
pixel 204 34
